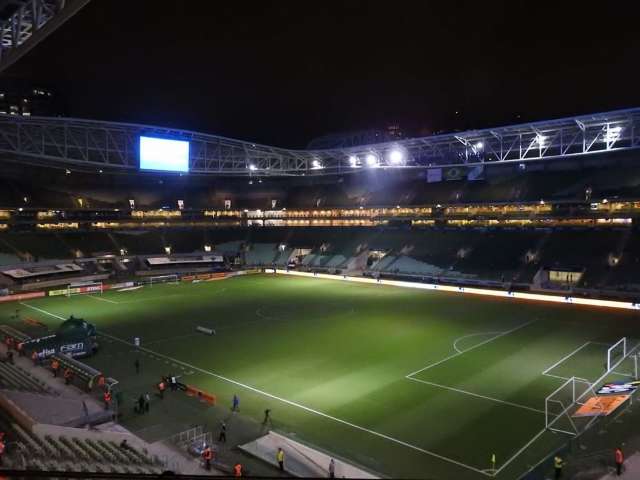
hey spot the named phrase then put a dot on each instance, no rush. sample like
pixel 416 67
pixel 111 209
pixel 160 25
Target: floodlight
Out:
pixel 372 160
pixel 353 161
pixel 540 139
pixel 396 157
pixel 479 145
pixel 316 164
pixel 252 167
pixel 612 134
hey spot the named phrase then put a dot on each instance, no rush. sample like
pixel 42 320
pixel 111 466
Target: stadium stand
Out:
pixel 12 377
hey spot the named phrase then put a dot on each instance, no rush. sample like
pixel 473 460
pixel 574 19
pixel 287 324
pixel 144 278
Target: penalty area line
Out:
pixel 304 407
pixel 502 334
pixel 472 394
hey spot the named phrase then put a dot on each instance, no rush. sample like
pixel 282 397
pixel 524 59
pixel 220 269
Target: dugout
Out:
pixel 84 375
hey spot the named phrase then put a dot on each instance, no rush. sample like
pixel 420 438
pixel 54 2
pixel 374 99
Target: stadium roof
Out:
pixel 87 144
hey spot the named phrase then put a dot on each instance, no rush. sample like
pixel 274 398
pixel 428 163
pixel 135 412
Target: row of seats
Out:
pixel 12 377
pixel 491 254
pixel 48 452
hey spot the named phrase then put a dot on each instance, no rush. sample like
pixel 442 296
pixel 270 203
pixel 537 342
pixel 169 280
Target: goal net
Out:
pixel 84 288
pixel 621 364
pixel 562 403
pixel 151 281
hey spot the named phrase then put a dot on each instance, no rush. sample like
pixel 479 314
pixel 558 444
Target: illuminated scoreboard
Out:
pixel 164 155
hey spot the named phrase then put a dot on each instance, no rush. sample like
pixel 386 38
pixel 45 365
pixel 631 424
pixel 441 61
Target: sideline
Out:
pixel 471 290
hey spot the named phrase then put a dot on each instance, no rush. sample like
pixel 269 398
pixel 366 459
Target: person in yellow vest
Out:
pixel 237 470
pixel 557 466
pixel 55 366
pixel 280 458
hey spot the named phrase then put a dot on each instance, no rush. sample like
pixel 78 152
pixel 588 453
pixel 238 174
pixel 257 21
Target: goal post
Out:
pixel 151 281
pixel 616 353
pixel 562 403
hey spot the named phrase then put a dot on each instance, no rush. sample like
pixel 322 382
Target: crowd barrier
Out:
pixel 470 290
pixel 18 297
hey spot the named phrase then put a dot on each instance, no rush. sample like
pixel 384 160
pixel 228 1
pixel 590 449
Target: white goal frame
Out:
pixel 623 342
pixel 172 278
pixel 564 413
pixel 591 389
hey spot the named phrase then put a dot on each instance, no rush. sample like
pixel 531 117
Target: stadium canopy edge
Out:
pixel 93 144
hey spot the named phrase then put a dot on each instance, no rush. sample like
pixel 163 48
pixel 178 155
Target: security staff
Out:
pixel 280 459
pixel 161 388
pixel 557 466
pixel 619 460
pixel 55 366
pixel 107 399
pixel 207 454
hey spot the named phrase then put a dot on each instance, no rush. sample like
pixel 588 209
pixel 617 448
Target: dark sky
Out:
pixel 285 72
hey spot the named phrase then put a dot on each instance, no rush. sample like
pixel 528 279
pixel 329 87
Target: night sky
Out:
pixel 285 72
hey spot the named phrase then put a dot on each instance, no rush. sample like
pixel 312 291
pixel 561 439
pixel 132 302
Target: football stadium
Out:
pixel 176 303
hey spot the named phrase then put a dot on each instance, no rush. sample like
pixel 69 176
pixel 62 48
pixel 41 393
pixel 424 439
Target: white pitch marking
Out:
pixel 103 299
pixel 469 349
pixel 455 343
pixel 43 311
pixel 557 376
pixel 311 410
pixel 161 340
pixel 565 358
pixel 492 399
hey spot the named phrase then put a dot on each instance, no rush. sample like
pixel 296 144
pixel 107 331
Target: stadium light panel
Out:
pixel 372 160
pixel 396 157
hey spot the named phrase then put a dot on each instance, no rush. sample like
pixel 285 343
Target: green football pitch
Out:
pixel 406 383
